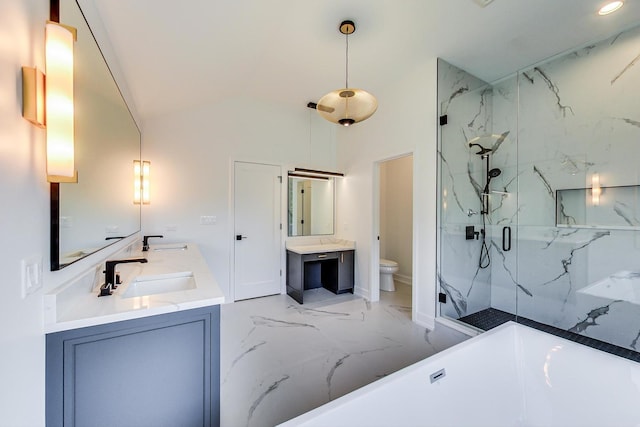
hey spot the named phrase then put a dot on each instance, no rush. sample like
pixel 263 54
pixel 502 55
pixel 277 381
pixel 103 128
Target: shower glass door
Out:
pixel 539 196
pixel 478 203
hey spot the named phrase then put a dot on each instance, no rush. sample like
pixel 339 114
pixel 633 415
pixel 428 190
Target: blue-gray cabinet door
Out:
pixel 157 371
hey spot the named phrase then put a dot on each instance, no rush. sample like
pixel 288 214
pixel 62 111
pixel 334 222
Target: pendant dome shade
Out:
pixel 347 106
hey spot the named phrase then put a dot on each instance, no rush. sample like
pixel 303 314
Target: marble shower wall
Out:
pixel 563 121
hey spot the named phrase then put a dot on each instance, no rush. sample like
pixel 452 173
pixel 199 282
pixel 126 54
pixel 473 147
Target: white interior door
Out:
pixel 257 230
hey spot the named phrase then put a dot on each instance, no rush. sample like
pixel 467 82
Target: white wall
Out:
pixel 405 122
pixel 192 154
pixel 24 220
pixel 396 214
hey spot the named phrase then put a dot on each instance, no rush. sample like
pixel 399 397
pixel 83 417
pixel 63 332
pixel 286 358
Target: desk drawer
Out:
pixel 319 256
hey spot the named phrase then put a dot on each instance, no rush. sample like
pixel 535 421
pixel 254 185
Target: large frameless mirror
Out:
pixel 98 210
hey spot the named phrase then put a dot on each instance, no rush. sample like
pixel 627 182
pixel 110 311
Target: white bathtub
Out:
pixel 510 376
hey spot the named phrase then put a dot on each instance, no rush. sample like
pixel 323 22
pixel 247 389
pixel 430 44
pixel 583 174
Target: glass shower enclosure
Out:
pixel 539 207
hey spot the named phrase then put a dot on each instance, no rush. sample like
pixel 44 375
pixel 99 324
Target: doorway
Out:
pixel 257 230
pixel 396 231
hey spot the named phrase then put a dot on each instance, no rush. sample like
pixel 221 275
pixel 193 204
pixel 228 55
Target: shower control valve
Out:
pixel 471 233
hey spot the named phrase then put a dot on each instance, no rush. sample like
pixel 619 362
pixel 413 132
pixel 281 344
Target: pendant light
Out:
pixel 347 106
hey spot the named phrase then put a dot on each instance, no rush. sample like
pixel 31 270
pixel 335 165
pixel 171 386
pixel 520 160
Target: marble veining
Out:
pixel 591 318
pixel 625 69
pixel 280 359
pixel 556 92
pixel 563 121
pixel 272 387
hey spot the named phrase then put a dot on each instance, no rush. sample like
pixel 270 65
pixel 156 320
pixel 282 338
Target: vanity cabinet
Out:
pixel 161 370
pixel 331 270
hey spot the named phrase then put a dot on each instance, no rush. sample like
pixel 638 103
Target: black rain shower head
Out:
pixel 483 151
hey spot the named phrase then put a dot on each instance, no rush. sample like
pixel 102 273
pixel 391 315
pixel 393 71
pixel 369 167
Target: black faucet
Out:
pixel 110 274
pixel 145 242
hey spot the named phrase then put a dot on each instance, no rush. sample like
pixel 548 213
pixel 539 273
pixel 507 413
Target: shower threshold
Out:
pixel 490 318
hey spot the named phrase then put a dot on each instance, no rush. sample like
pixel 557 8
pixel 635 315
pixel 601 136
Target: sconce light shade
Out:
pixel 596 189
pixel 146 182
pixel 141 182
pixel 59 101
pixel 137 181
pixel 33 96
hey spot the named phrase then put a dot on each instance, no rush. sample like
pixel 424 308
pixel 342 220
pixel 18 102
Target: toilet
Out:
pixel 387 268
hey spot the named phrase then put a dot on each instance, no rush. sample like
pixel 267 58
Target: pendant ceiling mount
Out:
pixel 348 105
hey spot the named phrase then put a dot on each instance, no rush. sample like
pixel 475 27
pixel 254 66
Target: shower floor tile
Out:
pixel 490 318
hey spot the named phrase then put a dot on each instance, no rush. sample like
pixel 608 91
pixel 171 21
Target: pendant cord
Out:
pixel 346 71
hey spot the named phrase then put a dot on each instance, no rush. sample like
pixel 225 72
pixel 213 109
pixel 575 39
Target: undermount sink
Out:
pixel 160 284
pixel 171 248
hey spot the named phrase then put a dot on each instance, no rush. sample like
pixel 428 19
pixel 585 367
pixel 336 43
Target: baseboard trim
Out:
pixel 363 293
pixel 458 326
pixel 402 278
pixel 425 321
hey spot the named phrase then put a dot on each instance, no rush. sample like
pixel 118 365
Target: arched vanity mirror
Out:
pixel 98 210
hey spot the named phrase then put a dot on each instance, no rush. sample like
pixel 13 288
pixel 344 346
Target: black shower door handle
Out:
pixel 506 238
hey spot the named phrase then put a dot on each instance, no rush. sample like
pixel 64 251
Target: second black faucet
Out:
pixel 145 241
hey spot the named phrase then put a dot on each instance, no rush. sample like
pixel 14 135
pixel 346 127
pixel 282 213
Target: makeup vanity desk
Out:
pixel 328 265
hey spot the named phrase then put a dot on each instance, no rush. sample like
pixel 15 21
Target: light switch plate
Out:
pixel 31 275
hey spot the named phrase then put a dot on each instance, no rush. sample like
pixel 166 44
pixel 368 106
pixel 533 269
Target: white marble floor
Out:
pixel 280 359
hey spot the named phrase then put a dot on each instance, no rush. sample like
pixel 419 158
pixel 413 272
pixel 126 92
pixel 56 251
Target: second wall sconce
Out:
pixel 141 182
pixel 48 101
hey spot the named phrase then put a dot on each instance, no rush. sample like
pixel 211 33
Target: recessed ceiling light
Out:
pixel 610 7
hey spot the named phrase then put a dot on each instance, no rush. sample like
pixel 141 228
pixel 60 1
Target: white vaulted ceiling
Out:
pixel 180 54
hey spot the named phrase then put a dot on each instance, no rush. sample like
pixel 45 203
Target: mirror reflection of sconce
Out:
pixel 596 189
pixel 47 101
pixel 141 182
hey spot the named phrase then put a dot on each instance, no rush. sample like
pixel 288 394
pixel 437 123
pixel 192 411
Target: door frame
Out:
pixel 232 224
pixel 375 248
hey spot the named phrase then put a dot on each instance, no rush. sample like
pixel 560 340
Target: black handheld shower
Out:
pixel 493 173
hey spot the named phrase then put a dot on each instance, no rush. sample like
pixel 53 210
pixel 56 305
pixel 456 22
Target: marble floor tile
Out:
pixel 280 359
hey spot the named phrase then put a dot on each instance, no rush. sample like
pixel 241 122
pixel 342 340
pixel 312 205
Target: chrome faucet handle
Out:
pixel 471 212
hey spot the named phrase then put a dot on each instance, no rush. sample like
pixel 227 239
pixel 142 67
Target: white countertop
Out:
pixel 76 304
pixel 330 246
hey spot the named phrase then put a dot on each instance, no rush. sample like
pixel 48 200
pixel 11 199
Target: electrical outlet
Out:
pixel 207 220
pixel 66 222
pixel 31 275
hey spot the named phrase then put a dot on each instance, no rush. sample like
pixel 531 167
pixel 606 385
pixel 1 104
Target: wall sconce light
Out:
pixel 141 182
pixel 48 101
pixel 59 102
pixel 33 96
pixel 596 189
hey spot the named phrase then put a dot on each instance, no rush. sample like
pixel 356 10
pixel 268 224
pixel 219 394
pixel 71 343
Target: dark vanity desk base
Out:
pixel 330 270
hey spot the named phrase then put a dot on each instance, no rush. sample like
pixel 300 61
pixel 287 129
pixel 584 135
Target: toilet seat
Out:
pixel 387 263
